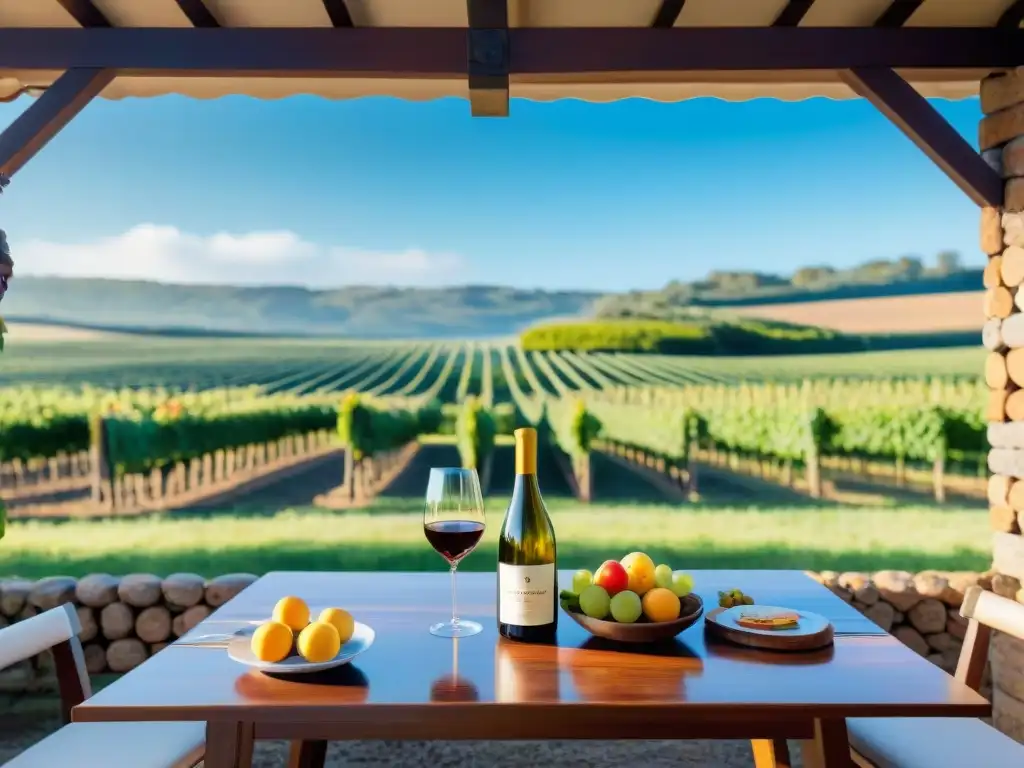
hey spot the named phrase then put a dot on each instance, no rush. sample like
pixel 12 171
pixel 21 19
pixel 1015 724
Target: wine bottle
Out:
pixel 527 581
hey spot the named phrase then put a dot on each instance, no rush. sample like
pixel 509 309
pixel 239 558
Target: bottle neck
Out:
pixel 525 480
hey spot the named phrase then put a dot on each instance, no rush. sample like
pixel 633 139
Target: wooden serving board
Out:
pixel 812 631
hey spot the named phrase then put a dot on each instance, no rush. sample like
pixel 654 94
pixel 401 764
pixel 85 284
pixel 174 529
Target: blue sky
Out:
pixel 559 195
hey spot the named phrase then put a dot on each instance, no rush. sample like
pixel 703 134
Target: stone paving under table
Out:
pixel 526 754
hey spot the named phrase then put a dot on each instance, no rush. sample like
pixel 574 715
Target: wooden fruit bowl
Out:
pixel 643 631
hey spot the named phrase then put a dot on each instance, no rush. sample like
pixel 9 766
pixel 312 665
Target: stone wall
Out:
pixel 124 620
pixel 923 611
pixel 1001 140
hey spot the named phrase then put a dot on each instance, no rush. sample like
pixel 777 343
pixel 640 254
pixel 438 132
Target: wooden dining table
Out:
pixel 412 685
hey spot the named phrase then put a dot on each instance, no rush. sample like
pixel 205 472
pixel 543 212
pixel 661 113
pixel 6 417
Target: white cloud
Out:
pixel 166 254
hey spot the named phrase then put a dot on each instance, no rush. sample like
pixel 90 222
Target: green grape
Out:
pixel 581 580
pixel 626 607
pixel 663 576
pixel 594 602
pixel 682 584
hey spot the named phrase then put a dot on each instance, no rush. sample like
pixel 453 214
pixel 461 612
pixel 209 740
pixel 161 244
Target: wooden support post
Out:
pixel 44 119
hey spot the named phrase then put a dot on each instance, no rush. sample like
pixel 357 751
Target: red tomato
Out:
pixel 612 576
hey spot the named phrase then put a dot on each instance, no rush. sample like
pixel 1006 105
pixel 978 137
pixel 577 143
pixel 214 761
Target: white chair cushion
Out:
pixel 117 745
pixel 933 742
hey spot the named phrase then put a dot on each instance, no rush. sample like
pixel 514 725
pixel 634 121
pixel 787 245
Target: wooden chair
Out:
pixel 91 745
pixel 924 742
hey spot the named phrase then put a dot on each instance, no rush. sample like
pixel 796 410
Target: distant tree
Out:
pixel 948 262
pixel 909 268
pixel 809 277
pixel 678 293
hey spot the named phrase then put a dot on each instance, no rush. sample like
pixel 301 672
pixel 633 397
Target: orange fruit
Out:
pixel 661 604
pixel 640 570
pixel 319 642
pixel 341 621
pixel 271 641
pixel 292 612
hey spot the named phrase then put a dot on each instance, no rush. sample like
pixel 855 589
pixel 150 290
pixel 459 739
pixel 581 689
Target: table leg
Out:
pixel 229 745
pixel 830 747
pixel 771 753
pixel 307 754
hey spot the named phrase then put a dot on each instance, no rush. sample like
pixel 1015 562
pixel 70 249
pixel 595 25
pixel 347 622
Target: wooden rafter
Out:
pixel 48 114
pixel 897 14
pixel 85 13
pixel 668 14
pixel 198 14
pixel 405 52
pixel 793 13
pixel 488 59
pixel 1012 16
pixel 338 12
pixel 909 111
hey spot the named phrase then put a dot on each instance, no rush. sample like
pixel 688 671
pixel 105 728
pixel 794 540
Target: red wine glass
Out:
pixel 453 521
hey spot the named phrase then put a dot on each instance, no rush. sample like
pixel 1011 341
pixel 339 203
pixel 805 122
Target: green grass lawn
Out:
pixel 389 536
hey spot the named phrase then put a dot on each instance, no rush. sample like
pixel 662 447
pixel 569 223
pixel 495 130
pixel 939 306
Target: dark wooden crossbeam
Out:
pixel 404 52
pixel 897 14
pixel 197 13
pixel 338 12
pixel 668 14
pixel 909 111
pixel 48 114
pixel 85 13
pixel 1012 16
pixel 793 13
pixel 488 57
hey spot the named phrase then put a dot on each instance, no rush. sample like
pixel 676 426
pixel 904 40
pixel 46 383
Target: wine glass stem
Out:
pixel 455 616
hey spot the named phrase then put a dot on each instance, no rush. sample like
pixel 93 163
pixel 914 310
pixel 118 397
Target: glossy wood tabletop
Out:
pixel 430 687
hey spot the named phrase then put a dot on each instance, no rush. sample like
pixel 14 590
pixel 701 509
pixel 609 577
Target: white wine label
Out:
pixel 526 594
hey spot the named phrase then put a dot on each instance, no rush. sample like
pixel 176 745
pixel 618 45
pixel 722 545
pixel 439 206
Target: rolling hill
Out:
pixel 469 312
pixel 367 312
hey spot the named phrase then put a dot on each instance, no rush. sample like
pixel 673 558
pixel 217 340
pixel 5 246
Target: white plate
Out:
pixel 240 650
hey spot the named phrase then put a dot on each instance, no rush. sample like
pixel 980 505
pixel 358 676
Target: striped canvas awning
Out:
pixel 589 86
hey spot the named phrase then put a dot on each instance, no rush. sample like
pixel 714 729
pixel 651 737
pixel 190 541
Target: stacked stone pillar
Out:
pixel 1001 140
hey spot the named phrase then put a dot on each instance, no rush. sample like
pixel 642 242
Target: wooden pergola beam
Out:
pixel 909 111
pixel 793 13
pixel 668 14
pixel 898 13
pixel 441 52
pixel 198 14
pixel 1012 16
pixel 85 13
pixel 45 117
pixel 338 12
pixel 488 57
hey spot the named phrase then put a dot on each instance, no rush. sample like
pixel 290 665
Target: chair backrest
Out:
pixel 55 630
pixel 985 612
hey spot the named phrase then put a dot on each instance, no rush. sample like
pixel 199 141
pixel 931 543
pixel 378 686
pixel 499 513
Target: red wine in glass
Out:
pixel 453 539
pixel 453 522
